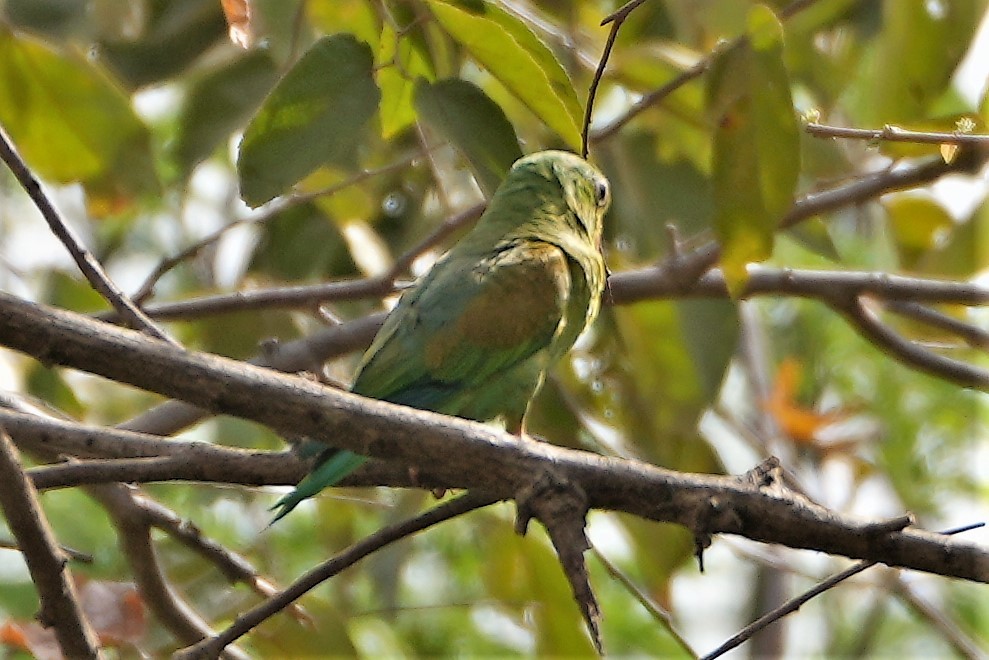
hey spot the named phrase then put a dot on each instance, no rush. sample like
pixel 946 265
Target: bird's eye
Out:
pixel 601 193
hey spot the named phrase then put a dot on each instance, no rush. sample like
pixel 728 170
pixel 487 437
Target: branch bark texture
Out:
pixel 454 453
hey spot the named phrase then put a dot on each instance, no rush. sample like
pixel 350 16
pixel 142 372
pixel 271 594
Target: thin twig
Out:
pixel 948 630
pixel 84 259
pixel 233 566
pixel 644 599
pixel 972 335
pixel 273 211
pixel 60 608
pixel 255 616
pixel 654 97
pixel 134 532
pixel 71 553
pixel 796 603
pixel 909 353
pixel 616 19
pixel 434 238
pixel 678 270
pixel 890 133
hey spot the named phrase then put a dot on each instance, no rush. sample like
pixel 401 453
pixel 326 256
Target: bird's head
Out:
pixel 585 191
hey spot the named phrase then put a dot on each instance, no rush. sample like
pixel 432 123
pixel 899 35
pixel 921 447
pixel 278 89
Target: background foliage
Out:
pixel 385 118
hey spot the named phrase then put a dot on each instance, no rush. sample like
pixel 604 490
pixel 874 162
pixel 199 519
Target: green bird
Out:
pixel 475 336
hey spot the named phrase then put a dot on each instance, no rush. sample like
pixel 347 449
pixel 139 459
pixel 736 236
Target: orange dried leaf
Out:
pixel 796 421
pixel 238 15
pixel 13 635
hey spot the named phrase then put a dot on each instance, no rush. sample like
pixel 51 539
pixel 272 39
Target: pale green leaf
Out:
pixel 69 121
pixel 509 50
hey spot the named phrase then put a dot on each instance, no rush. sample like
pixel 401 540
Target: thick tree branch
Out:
pixel 456 453
pixel 60 607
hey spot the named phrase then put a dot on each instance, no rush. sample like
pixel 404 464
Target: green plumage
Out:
pixel 475 336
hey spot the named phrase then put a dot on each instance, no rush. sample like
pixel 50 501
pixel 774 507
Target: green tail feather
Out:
pixel 335 468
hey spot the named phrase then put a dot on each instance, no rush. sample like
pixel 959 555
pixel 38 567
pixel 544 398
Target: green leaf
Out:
pixel 966 250
pixel 219 103
pixel 509 50
pixel 925 43
pixel 400 61
pixel 69 120
pixel 316 114
pixel 465 116
pixel 48 385
pixel 301 243
pixel 756 156
pixel 918 224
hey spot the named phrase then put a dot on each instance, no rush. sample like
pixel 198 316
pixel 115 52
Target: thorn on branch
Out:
pixel 561 506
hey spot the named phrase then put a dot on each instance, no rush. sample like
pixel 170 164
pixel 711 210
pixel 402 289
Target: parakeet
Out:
pixel 475 336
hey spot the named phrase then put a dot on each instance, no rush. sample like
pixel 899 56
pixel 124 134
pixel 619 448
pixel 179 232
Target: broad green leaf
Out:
pixel 316 114
pixel 506 47
pixel 918 224
pixel 69 120
pixel 218 103
pixel 756 156
pixel 400 62
pixel 476 126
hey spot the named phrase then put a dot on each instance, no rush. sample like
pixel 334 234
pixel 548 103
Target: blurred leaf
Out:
pixel 813 235
pixel 925 40
pixel 797 421
pixel 70 121
pixel 917 223
pixel 358 18
pixel 506 47
pixel 710 331
pixel 113 609
pixel 651 191
pixel 648 386
pixel 48 385
pixel 525 571
pixel 218 104
pixel 966 251
pixel 284 638
pixel 73 293
pixel 177 33
pixel 465 116
pixel 756 146
pixel 239 334
pixel 54 17
pixel 400 61
pixel 315 114
pixel 302 244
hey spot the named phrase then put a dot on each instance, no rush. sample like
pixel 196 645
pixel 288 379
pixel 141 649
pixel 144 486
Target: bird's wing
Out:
pixel 470 320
